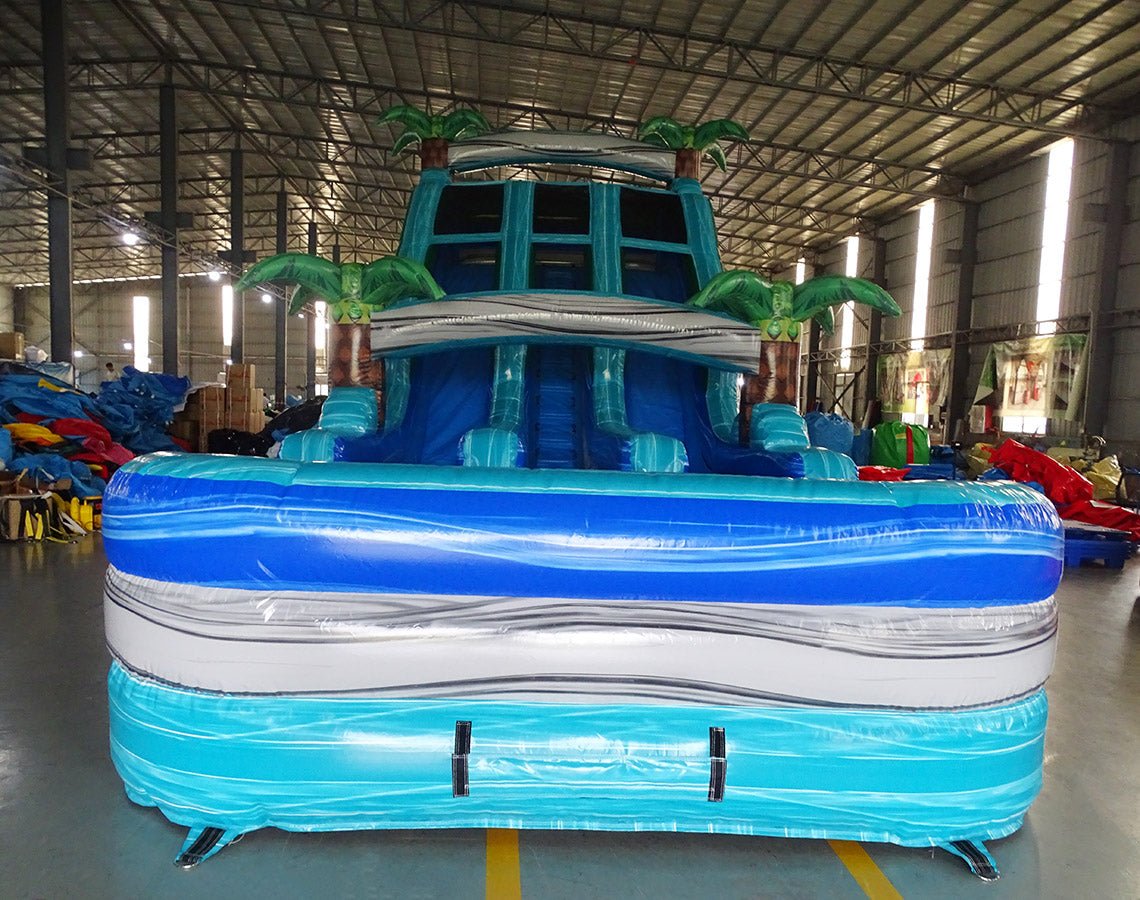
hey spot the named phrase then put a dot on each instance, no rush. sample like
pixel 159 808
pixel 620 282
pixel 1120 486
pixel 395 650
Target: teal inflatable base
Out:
pixel 241 762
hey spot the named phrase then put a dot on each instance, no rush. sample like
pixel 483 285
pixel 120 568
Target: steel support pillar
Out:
pixel 1102 344
pixel 811 387
pixel 237 247
pixel 958 404
pixel 311 330
pixel 168 219
pixel 281 310
pixel 56 104
pixel 875 323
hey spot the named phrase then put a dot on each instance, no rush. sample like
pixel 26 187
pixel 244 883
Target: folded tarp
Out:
pixel 1062 484
pixel 52 467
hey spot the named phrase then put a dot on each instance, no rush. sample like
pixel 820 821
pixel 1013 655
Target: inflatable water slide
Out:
pixel 559 555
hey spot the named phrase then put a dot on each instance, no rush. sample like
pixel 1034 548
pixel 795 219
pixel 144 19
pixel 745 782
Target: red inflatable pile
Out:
pixel 1069 490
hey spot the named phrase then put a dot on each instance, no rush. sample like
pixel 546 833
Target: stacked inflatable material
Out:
pixel 300 646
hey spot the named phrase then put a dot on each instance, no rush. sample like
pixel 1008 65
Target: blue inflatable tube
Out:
pixel 909 777
pixel 579 534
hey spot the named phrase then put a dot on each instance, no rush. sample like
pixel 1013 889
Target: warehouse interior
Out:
pixel 980 162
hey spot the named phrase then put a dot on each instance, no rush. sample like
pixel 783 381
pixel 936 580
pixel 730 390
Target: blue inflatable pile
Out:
pixel 54 431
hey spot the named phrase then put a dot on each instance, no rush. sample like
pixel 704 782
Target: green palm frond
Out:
pixel 301 297
pixel 825 318
pixel 415 120
pixel 715 152
pixel 320 276
pixel 464 123
pixel 743 295
pixel 396 278
pixel 718 130
pixel 408 139
pixel 817 294
pixel 663 131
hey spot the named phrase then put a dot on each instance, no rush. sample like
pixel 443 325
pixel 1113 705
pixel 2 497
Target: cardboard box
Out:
pixel 12 345
pixel 25 483
pixel 237 373
pixel 244 400
pixel 27 517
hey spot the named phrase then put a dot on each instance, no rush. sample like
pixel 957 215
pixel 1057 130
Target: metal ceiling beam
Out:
pixel 342 95
pixel 759 158
pixel 167 53
pixel 615 39
pixel 343 189
pixel 105 214
pixel 949 137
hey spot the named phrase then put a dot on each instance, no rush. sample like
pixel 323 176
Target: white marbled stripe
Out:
pixel 510 648
pixel 562 148
pixel 674 327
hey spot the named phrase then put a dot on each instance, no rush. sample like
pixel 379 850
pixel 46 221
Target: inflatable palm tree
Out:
pixel 692 141
pixel 433 134
pixel 353 291
pixel 779 309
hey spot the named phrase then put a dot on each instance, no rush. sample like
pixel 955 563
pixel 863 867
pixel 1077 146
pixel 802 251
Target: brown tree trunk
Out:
pixel 777 382
pixel 433 153
pixel 350 359
pixel 688 164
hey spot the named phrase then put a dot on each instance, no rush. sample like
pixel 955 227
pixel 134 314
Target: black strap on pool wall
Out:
pixel 718 764
pixel 460 777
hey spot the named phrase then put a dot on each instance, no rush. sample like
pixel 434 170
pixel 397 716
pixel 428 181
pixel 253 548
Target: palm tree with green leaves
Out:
pixel 433 134
pixel 779 308
pixel 353 292
pixel 692 141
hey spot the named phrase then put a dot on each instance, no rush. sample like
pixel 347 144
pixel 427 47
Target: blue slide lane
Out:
pixel 311 763
pixel 603 535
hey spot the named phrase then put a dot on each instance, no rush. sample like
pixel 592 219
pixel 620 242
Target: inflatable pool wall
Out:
pixel 548 583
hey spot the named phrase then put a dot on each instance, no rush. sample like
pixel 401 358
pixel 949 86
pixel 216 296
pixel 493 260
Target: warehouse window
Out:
pixel 801 270
pixel 847 314
pixel 227 317
pixel 1034 425
pixel 140 315
pixel 922 275
pixel 321 334
pixel 1058 182
pixel 1053 235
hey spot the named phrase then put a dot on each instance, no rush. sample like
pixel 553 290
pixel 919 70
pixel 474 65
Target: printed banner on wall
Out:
pixel 1038 376
pixel 913 382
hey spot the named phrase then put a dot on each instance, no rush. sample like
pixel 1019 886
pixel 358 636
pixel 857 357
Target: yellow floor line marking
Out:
pixel 867 875
pixel 503 881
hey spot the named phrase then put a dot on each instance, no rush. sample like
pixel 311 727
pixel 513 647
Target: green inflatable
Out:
pixel 897 445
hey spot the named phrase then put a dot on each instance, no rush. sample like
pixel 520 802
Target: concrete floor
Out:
pixel 67 829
